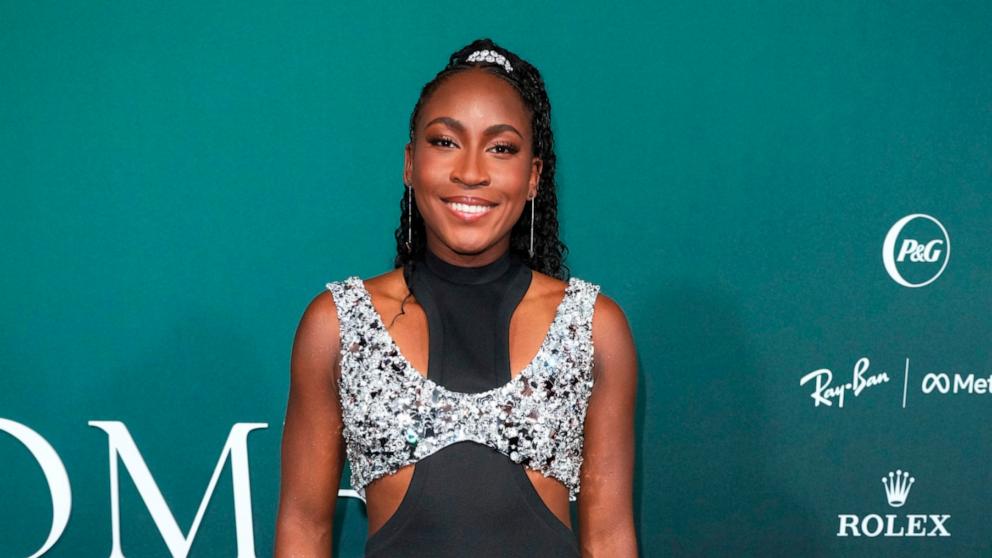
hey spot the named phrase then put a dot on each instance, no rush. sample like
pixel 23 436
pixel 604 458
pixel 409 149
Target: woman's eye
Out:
pixel 501 148
pixel 505 148
pixel 441 142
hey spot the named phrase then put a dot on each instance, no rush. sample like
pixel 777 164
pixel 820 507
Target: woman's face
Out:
pixel 471 166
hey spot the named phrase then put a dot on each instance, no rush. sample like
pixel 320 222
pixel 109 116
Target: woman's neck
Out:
pixel 464 274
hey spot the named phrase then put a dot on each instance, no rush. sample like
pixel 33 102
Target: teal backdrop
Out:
pixel 179 179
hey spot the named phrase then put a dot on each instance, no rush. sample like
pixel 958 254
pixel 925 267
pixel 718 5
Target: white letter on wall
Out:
pixel 55 475
pixel 122 444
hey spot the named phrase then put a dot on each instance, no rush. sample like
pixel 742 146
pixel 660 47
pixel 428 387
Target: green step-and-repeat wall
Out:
pixel 790 200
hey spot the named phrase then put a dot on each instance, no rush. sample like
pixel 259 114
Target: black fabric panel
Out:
pixel 468 499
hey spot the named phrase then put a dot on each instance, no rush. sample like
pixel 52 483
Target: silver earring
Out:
pixel 409 219
pixel 531 250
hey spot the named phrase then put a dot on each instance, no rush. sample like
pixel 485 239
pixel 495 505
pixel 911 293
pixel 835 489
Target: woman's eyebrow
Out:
pixel 459 127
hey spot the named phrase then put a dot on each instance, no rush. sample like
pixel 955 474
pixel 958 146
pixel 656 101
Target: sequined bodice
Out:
pixel 393 415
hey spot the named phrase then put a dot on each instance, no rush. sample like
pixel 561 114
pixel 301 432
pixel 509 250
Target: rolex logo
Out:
pixel 897 487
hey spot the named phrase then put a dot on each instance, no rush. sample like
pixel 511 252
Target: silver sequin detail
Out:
pixel 490 56
pixel 394 416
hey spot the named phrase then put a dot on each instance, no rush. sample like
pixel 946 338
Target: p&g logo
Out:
pixel 916 250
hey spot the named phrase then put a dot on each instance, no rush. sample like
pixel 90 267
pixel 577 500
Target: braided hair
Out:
pixel 549 250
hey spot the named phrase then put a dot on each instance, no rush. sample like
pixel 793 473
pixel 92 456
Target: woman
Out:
pixel 474 417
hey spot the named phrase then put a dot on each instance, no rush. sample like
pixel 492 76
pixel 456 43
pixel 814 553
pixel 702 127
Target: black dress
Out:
pixel 469 500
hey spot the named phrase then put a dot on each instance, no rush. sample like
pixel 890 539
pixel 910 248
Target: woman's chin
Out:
pixel 469 246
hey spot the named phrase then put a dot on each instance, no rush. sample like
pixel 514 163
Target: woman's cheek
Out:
pixel 433 171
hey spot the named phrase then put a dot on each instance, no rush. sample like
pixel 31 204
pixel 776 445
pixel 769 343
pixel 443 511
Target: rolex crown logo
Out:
pixel 897 487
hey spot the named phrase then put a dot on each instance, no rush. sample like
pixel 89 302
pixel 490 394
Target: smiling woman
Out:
pixel 501 389
pixel 469 158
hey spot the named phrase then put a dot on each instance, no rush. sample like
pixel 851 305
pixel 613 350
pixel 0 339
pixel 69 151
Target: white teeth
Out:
pixel 466 208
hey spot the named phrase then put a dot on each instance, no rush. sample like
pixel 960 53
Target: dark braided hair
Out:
pixel 549 251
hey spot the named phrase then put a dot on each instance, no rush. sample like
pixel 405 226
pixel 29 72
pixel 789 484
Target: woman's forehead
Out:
pixel 476 98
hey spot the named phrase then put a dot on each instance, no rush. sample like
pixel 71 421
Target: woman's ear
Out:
pixel 408 164
pixel 536 165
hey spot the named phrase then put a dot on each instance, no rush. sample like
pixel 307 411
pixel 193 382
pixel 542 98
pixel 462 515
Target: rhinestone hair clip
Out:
pixel 490 56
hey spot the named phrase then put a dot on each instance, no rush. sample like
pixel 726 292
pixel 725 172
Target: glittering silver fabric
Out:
pixel 393 415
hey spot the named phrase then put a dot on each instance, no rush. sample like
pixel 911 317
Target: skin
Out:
pixel 457 151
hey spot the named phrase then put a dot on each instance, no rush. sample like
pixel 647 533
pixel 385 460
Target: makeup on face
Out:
pixel 472 163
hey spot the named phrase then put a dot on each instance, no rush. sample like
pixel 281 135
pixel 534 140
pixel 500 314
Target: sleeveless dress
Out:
pixel 469 428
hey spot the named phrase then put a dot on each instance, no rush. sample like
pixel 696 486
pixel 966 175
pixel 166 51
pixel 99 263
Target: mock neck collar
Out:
pixel 467 275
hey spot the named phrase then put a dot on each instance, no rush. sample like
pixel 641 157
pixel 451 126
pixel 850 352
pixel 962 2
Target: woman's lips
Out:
pixel 468 208
pixel 468 212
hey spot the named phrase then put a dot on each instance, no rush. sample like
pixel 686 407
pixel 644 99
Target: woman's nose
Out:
pixel 470 169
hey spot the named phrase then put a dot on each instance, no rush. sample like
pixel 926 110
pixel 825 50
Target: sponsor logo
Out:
pixel 824 393
pixel 944 383
pixel 897 486
pixel 916 250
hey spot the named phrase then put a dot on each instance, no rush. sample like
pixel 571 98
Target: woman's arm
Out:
pixel 606 515
pixel 312 445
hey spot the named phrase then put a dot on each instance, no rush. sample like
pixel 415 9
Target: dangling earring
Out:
pixel 531 250
pixel 409 219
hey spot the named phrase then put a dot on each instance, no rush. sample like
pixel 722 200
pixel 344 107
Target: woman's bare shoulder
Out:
pixel 610 327
pixel 606 307
pixel 551 288
pixel 320 320
pixel 613 339
pixel 547 289
pixel 316 342
pixel 389 286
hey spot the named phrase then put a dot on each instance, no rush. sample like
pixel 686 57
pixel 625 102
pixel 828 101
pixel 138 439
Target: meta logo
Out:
pixel 916 250
pixel 897 487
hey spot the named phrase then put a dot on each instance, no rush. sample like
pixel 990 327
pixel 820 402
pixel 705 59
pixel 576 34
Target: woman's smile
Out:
pixel 467 208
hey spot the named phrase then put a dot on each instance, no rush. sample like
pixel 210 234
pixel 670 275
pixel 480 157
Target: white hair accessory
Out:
pixel 490 56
